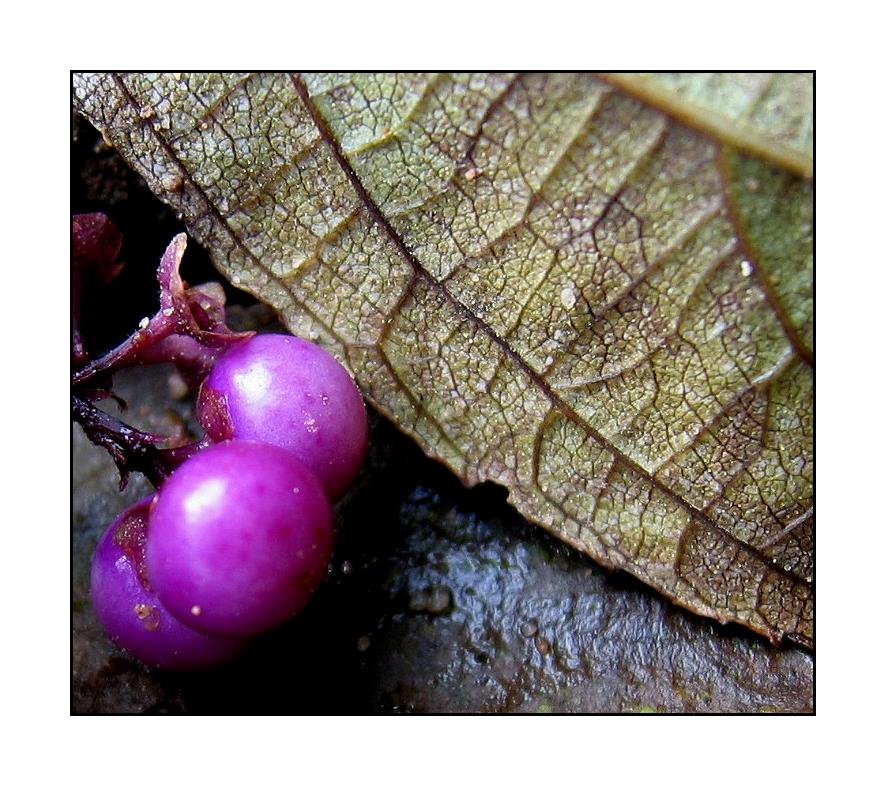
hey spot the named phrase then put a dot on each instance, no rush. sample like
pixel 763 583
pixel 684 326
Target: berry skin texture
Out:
pixel 240 538
pixel 287 391
pixel 130 611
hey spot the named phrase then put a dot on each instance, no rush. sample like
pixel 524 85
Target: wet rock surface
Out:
pixel 440 599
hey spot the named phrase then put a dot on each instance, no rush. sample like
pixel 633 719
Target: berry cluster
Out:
pixel 240 532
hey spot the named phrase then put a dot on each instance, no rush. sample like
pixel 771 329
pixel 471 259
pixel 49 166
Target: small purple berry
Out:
pixel 240 538
pixel 289 392
pixel 130 611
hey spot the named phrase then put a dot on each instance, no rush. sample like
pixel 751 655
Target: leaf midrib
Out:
pixel 718 127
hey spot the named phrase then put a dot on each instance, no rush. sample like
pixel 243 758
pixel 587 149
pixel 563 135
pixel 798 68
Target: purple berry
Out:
pixel 240 537
pixel 130 611
pixel 289 392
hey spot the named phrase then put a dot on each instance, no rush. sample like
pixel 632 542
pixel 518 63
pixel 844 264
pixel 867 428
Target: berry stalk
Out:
pixel 189 330
pixel 131 449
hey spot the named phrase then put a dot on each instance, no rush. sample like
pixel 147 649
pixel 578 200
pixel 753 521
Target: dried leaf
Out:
pixel 549 283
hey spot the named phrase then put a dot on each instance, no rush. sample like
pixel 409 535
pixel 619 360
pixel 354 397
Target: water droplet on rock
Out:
pixel 435 599
pixel 178 387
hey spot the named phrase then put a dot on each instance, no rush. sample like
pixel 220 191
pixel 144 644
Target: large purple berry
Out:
pixel 130 611
pixel 240 538
pixel 289 392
